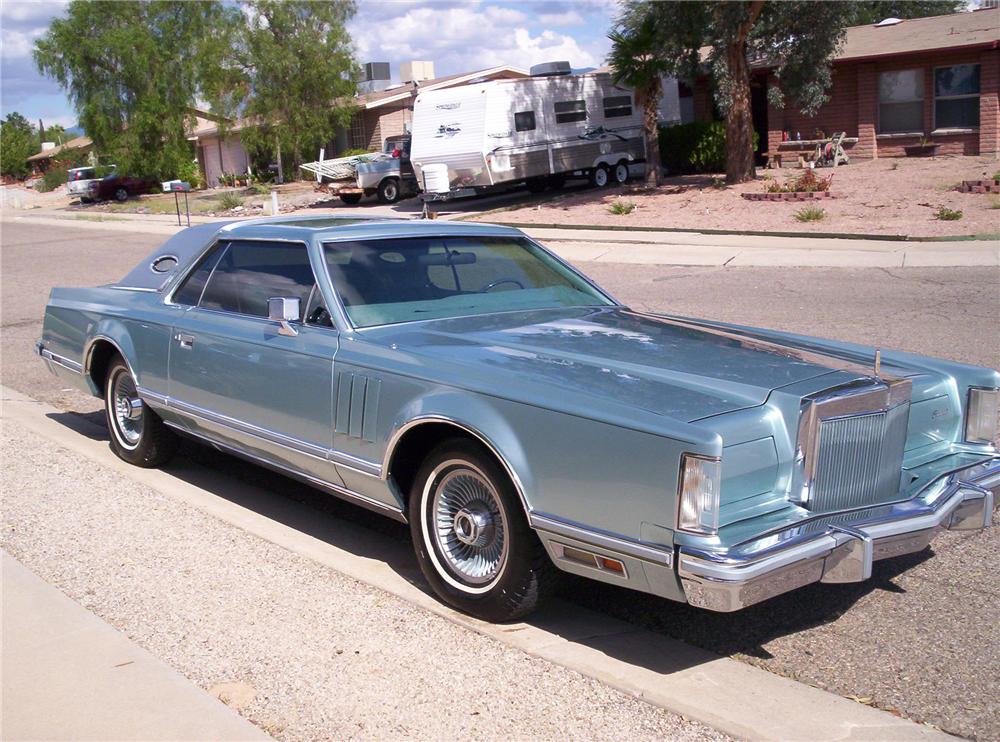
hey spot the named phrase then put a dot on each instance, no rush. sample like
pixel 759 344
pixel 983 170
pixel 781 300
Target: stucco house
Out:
pixel 384 109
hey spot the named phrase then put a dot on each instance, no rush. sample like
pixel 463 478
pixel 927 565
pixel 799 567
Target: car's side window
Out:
pixel 251 272
pixel 191 289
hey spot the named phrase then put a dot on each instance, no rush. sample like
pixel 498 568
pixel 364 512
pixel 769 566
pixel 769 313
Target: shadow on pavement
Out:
pixel 367 534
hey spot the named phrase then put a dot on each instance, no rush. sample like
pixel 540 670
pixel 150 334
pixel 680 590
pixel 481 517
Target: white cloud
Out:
pixel 568 18
pixel 18 44
pixel 461 38
pixel 21 11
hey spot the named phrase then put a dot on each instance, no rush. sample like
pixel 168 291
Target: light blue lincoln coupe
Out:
pixel 464 380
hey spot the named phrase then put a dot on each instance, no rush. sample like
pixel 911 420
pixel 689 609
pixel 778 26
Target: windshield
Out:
pixel 404 280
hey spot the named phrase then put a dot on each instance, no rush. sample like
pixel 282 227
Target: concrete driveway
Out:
pixel 922 638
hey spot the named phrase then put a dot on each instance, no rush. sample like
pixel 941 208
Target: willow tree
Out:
pixel 290 74
pixel 132 71
pixel 635 64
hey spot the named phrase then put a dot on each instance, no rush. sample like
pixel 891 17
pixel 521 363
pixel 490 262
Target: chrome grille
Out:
pixel 859 459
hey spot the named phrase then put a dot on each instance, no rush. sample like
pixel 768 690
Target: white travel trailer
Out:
pixel 539 130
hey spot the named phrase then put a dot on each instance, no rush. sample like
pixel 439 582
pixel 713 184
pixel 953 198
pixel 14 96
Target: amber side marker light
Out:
pixel 590 559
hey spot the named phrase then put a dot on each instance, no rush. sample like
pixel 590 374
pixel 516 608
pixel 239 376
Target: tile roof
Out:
pixel 75 143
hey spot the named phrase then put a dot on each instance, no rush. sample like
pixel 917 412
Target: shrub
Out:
pixel 810 214
pixel 354 152
pixel 260 189
pixel 807 182
pixel 947 215
pixel 698 147
pixel 622 207
pixel 52 179
pixel 230 200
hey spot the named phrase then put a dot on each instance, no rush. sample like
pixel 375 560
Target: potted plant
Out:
pixel 924 148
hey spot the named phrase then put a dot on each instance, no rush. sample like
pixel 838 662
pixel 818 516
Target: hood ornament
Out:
pixel 878 361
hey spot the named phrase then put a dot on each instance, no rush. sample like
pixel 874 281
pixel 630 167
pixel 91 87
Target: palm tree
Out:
pixel 634 63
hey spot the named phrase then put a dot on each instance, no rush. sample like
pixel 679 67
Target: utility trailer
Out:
pixel 538 130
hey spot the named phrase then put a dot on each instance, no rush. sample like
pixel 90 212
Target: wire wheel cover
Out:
pixel 129 423
pixel 470 525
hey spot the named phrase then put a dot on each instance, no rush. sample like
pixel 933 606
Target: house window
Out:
pixel 571 110
pixel 617 106
pixel 956 97
pixel 524 121
pixel 358 132
pixel 901 101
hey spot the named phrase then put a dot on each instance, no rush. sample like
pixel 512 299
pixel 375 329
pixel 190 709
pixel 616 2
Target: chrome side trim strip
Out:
pixel 612 542
pixel 347 461
pixel 280 439
pixel 66 363
pixel 357 498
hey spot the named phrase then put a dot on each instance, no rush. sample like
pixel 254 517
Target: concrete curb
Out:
pixel 69 675
pixel 737 698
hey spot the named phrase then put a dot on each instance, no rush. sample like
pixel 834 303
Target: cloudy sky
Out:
pixel 456 36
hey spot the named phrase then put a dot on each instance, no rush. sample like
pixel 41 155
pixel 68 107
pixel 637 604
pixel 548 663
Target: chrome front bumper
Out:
pixel 837 548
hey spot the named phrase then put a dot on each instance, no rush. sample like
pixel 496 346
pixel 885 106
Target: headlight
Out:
pixel 981 418
pixel 698 508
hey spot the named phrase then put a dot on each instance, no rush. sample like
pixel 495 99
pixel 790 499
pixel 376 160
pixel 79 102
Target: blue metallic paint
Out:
pixel 589 409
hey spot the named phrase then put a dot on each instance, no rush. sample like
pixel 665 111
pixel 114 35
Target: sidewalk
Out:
pixel 69 675
pixel 637 247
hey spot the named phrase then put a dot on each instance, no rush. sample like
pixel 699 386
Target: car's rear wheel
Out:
pixel 350 198
pixel 121 194
pixel 138 435
pixel 388 191
pixel 471 535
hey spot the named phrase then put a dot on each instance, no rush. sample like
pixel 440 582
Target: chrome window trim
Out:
pixel 612 541
pixel 338 490
pixel 614 303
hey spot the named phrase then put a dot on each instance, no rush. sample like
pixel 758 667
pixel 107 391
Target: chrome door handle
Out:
pixel 186 341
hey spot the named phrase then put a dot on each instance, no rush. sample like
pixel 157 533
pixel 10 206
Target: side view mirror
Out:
pixel 284 309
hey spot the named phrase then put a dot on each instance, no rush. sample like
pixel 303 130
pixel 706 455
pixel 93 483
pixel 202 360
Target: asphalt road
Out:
pixel 922 638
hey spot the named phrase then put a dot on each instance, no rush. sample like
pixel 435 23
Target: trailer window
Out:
pixel 617 106
pixel 524 121
pixel 569 111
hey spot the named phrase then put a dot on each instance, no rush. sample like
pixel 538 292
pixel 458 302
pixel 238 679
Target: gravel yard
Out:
pixel 897 196
pixel 302 651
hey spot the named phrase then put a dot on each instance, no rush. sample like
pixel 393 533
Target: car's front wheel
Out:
pixel 138 435
pixel 471 535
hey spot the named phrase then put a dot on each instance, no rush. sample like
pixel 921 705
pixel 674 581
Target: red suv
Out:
pixel 120 187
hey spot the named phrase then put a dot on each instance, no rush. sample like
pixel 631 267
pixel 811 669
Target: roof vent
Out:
pixel 888 22
pixel 550 69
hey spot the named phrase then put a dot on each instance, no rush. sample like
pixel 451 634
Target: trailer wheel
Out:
pixel 388 191
pixel 621 172
pixel 350 198
pixel 599 176
pixel 556 182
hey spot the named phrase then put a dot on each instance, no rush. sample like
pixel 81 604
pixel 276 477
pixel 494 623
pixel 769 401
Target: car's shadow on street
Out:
pixel 622 614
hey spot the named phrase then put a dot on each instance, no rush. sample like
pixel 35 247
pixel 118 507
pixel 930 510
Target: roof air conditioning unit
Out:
pixel 551 69
pixel 376 71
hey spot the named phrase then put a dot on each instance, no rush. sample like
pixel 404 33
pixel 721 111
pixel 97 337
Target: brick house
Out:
pixel 895 83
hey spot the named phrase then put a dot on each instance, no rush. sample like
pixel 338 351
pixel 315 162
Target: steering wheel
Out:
pixel 500 282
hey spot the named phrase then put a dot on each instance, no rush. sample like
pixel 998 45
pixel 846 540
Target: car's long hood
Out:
pixel 661 365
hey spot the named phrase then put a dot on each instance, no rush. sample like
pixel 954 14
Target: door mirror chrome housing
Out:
pixel 284 309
